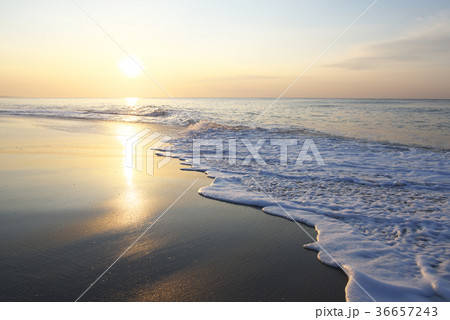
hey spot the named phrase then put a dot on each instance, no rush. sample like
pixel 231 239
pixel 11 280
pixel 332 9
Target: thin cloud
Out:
pixel 242 77
pixel 430 42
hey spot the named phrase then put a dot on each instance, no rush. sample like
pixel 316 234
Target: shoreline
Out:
pixel 208 252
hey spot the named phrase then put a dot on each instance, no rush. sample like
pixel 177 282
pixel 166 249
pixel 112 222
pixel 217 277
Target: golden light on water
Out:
pixel 130 67
pixel 123 133
pixel 131 101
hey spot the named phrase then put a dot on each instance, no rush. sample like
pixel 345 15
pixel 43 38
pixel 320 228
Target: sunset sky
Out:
pixel 253 48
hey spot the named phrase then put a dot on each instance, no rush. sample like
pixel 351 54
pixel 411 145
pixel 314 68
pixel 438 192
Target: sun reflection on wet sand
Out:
pixel 80 208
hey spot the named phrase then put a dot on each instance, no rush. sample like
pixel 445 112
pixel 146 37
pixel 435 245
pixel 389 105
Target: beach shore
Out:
pixel 70 207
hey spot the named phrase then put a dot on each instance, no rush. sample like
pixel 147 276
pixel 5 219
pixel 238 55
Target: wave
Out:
pixel 203 126
pixel 147 114
pixel 164 115
pixel 399 123
pixel 381 212
pixel 380 207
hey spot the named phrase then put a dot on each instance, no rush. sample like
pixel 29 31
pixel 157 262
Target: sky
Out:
pixel 211 48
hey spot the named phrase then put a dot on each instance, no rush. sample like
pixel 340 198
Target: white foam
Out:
pixel 381 209
pixel 381 212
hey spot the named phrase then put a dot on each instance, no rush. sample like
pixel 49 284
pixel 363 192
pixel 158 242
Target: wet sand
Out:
pixel 70 207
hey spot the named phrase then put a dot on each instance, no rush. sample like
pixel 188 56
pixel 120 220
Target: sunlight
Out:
pixel 123 133
pixel 131 101
pixel 130 67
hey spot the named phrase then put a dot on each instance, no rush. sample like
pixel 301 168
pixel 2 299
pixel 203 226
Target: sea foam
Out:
pixel 381 211
pixel 379 204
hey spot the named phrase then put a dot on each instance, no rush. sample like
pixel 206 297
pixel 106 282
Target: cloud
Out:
pixel 428 42
pixel 243 77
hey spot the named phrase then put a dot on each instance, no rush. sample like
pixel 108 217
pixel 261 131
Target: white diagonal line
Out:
pixel 131 57
pixel 135 241
pixel 312 238
pixel 315 61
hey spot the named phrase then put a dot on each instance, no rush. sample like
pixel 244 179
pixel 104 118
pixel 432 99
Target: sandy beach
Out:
pixel 225 151
pixel 69 208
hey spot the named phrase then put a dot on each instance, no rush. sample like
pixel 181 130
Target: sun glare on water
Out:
pixel 131 101
pixel 130 67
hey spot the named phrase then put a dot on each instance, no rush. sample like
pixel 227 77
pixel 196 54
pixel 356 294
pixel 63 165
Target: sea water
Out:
pixel 379 201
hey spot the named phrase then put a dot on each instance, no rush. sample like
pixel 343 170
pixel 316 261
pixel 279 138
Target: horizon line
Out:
pixel 214 97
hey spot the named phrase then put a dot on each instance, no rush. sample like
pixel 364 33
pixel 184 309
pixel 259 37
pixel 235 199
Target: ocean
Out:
pixel 424 123
pixel 379 197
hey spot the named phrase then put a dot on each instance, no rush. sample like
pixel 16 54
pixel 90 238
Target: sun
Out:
pixel 130 67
